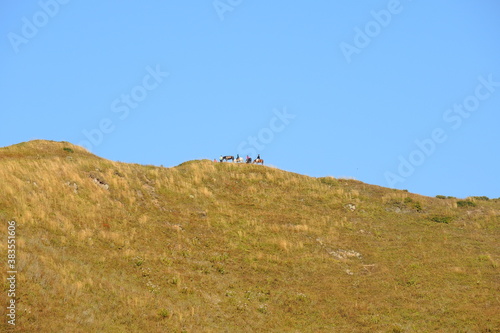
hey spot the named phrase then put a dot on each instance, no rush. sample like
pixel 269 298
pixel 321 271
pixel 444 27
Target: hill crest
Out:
pixel 204 246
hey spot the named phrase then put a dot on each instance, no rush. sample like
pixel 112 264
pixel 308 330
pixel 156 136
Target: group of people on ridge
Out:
pixel 238 158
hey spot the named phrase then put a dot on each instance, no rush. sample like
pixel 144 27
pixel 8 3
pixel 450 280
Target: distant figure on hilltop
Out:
pixel 258 160
pixel 239 159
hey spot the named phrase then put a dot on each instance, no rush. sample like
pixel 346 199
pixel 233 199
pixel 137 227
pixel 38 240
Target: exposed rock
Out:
pixel 345 254
pixel 100 182
pixel 351 207
pixel 73 185
pixel 340 253
pixel 174 226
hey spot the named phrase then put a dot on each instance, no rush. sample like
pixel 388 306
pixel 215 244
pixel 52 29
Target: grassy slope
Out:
pixel 211 247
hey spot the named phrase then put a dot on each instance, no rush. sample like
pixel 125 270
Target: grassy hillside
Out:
pixel 104 246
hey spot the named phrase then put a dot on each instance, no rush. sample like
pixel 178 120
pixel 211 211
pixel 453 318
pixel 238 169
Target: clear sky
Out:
pixel 402 94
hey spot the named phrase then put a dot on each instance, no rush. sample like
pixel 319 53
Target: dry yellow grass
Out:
pixel 213 247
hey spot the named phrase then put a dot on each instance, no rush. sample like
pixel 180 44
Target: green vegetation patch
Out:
pixel 441 219
pixel 482 198
pixel 466 203
pixel 445 197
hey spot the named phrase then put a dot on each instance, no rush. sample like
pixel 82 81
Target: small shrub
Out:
pixel 465 203
pixel 412 282
pixel 482 198
pixel 329 181
pixel 69 150
pixel 441 219
pixel 220 269
pixel 164 313
pixel 118 173
pixel 262 308
pixel 396 203
pixel 417 206
pixel 138 261
pixel 445 197
pixel 483 257
pixel 166 261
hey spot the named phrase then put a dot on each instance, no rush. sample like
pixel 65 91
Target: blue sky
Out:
pixel 402 94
